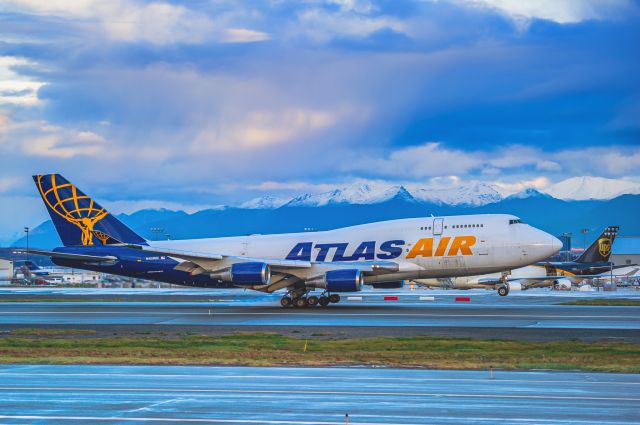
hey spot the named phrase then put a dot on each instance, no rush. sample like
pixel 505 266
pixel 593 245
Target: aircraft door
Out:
pixel 437 226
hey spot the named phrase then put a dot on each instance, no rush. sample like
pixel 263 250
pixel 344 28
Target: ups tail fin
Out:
pixel 80 220
pixel 600 249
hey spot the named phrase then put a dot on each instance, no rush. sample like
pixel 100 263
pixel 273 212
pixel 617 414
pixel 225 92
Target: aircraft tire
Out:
pixel 334 298
pixel 503 291
pixel 286 302
pixel 312 301
pixel 300 302
pixel 323 301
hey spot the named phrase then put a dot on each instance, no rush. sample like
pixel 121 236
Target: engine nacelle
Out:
pixel 349 280
pixel 388 285
pixel 514 286
pixel 245 274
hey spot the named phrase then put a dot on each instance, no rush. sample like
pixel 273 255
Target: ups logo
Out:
pixel 604 246
pixel 461 245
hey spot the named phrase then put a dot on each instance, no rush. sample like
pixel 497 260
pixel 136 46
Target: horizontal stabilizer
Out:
pixel 69 256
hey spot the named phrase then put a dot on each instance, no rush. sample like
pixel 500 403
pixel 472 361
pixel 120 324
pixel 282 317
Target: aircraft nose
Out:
pixel 548 244
pixel 556 244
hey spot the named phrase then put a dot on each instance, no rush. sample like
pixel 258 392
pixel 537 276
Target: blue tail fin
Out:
pixel 80 220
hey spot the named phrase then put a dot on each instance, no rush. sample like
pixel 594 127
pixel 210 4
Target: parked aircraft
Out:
pixel 334 261
pixel 593 263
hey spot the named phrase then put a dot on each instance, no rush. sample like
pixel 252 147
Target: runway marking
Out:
pixel 193 420
pixel 160 403
pixel 318 392
pixel 329 314
pixel 264 421
pixel 299 377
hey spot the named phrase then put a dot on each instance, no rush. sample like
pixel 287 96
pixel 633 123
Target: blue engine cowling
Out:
pixel 388 285
pixel 343 281
pixel 254 273
pixel 250 273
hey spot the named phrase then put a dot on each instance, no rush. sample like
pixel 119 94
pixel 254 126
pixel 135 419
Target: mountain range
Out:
pixel 569 206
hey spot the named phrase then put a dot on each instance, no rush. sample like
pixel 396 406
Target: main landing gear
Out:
pixel 302 299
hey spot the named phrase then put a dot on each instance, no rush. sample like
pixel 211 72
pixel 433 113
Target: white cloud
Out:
pixel 16 89
pixel 129 20
pixel 261 128
pixel 42 139
pixel 560 11
pixel 435 159
pixel 243 35
pixel 321 25
pixel 429 159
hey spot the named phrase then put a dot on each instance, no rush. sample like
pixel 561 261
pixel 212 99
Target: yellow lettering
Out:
pixel 462 244
pixel 442 246
pixel 424 248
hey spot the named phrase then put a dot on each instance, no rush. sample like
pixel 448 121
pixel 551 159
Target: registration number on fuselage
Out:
pixel 370 250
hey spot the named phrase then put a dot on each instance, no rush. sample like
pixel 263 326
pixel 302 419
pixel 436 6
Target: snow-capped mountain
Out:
pixel 474 193
pixel 364 193
pixel 528 193
pixel 583 188
pixel 265 202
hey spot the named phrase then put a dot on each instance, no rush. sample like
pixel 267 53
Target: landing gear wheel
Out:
pixel 300 302
pixel 323 301
pixel 334 298
pixel 286 302
pixel 503 291
pixel 312 301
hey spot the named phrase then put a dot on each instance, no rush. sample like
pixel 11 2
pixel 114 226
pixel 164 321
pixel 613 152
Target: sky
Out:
pixel 206 102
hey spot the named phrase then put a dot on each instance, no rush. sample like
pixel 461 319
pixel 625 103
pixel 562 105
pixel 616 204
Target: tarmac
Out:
pixel 249 395
pixel 530 315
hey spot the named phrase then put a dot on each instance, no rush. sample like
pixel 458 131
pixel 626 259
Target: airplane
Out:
pixel 36 270
pixel 593 263
pixel 334 261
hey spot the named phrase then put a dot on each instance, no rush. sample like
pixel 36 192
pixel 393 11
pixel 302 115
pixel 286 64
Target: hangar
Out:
pixel 626 250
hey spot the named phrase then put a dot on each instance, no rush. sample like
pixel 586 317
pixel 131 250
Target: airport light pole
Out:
pixel 584 237
pixel 26 230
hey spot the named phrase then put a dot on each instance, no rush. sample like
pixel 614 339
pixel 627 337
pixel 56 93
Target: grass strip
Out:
pixel 268 349
pixel 606 302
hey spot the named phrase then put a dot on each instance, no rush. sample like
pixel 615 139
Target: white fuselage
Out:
pixel 429 247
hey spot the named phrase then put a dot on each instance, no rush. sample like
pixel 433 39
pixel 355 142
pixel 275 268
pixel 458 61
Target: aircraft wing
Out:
pixel 285 271
pixel 68 256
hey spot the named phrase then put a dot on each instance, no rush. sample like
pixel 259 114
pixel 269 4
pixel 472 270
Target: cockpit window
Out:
pixel 515 221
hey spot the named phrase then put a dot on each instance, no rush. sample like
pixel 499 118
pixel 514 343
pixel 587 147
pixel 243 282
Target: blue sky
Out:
pixel 184 104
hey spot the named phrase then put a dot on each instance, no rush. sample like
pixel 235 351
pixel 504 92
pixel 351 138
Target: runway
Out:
pixel 178 394
pixel 531 315
pixel 197 314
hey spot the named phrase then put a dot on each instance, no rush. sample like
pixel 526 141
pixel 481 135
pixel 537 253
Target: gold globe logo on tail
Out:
pixel 77 209
pixel 604 246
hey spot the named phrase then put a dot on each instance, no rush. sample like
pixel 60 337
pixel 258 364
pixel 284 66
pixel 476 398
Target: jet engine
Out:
pixel 349 280
pixel 245 274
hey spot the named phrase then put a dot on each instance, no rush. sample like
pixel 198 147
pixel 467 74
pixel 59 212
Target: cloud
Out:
pixel 243 35
pixel 559 11
pixel 321 25
pixel 154 22
pixel 17 89
pixel 429 159
pixel 436 159
pixel 42 139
